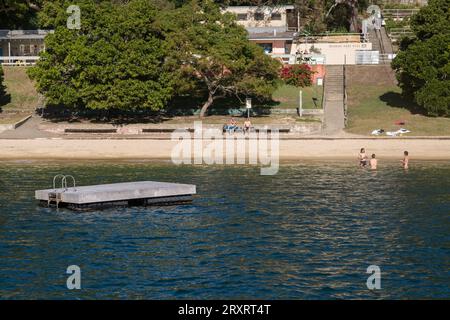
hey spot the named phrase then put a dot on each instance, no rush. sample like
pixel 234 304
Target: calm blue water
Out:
pixel 309 232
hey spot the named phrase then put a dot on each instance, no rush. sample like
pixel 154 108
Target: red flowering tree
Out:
pixel 299 75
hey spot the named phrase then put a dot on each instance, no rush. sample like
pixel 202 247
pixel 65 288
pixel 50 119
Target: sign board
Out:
pixel 248 103
pixel 320 81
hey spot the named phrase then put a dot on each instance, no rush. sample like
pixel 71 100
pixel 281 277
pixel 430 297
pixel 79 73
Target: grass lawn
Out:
pixel 379 106
pixel 12 118
pixel 287 97
pixel 22 97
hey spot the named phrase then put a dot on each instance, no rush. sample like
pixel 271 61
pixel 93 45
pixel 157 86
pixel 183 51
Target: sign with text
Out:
pixel 248 103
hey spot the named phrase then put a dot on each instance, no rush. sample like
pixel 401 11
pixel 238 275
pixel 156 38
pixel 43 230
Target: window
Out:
pixel 259 16
pixel 242 16
pixel 287 47
pixel 275 16
pixel 267 47
pixel 33 49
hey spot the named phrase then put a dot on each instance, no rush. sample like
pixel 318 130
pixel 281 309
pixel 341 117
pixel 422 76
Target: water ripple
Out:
pixel 307 233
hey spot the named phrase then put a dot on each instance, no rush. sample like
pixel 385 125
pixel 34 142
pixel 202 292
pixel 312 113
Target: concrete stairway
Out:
pixel 380 41
pixel 334 118
pixel 386 41
pixel 373 38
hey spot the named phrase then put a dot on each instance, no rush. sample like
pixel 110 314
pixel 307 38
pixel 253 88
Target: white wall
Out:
pixel 335 53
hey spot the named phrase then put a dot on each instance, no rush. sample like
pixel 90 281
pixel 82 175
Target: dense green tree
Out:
pixel 211 51
pixel 311 14
pixel 115 61
pixel 19 14
pixel 53 13
pixel 2 86
pixel 343 15
pixel 423 63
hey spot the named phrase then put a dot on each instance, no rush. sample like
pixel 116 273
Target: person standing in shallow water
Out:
pixel 405 161
pixel 362 157
pixel 373 162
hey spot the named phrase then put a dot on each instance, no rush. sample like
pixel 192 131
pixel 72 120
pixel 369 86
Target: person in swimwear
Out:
pixel 373 162
pixel 247 125
pixel 405 161
pixel 362 157
pixel 231 126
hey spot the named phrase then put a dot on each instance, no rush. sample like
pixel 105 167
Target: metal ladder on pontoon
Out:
pixel 56 196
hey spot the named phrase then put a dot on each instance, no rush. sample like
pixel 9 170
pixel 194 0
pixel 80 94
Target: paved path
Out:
pixel 334 118
pixel 29 130
pixel 380 41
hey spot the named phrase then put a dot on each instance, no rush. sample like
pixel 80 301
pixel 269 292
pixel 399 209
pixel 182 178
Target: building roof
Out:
pixel 271 36
pixel 267 33
pixel 286 7
pixel 23 34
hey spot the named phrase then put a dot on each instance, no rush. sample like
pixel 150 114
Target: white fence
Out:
pixel 367 57
pixel 294 59
pixel 19 60
pixel 373 57
pixel 398 14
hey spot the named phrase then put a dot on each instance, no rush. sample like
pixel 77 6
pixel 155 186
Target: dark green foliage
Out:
pixel 115 61
pixel 143 54
pixel 210 52
pixel 423 64
pixel 2 86
pixel 19 14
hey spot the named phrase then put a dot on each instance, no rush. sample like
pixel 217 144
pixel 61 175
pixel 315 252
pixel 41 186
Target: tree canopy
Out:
pixel 423 63
pixel 299 75
pixel 137 56
pixel 18 14
pixel 115 61
pixel 208 49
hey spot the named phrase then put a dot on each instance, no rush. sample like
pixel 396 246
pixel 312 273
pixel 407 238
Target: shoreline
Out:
pixel 158 149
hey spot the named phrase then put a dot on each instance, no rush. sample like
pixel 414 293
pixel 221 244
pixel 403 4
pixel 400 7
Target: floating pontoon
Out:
pixel 122 194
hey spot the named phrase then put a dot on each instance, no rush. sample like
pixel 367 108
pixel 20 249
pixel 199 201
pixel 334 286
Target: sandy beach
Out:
pixel 311 148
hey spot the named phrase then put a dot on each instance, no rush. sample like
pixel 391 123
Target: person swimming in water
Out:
pixel 362 157
pixel 373 162
pixel 405 161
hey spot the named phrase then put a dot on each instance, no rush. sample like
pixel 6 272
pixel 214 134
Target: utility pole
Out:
pixel 300 103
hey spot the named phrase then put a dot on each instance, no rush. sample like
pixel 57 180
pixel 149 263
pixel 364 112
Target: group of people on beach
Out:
pixel 373 162
pixel 232 126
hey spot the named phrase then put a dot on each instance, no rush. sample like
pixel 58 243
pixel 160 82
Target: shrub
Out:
pixel 299 75
pixel 2 87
